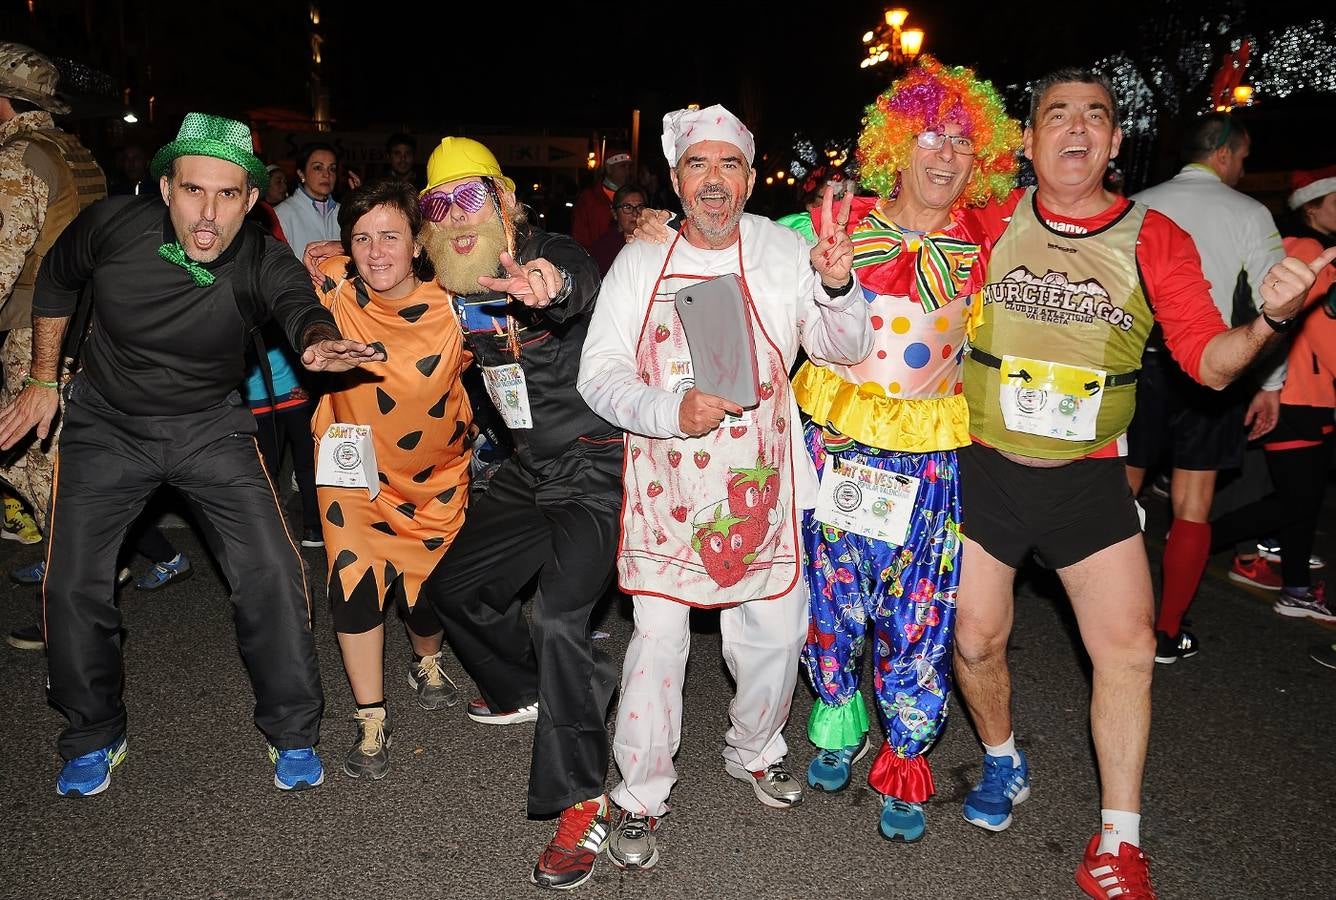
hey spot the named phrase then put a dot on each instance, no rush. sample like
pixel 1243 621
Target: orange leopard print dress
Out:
pixel 420 420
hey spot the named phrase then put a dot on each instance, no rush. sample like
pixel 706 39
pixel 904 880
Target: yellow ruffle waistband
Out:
pixel 888 423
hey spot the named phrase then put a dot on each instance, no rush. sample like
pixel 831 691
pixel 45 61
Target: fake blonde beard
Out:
pixel 459 273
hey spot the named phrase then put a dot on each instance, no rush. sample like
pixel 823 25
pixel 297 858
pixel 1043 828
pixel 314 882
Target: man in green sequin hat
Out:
pixel 175 293
pixel 203 234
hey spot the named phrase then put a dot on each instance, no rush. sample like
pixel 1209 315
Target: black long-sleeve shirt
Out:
pixel 550 343
pixel 161 345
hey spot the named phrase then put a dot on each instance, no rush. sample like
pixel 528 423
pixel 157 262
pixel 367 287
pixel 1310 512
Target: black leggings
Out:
pixel 1290 512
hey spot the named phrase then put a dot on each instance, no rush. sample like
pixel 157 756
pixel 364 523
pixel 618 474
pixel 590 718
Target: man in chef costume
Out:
pixel 714 492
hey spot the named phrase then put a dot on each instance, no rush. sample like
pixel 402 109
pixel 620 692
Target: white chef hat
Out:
pixel 685 127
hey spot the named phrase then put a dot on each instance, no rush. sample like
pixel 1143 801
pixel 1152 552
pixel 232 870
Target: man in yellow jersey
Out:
pixel 1076 279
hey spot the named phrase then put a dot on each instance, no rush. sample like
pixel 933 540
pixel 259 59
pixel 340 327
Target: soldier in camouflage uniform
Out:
pixel 46 178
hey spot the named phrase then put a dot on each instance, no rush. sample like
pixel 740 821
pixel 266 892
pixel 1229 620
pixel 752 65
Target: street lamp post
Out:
pixel 891 42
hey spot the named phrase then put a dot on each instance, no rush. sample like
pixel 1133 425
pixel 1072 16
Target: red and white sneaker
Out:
pixel 480 712
pixel 1257 572
pixel 1108 877
pixel 568 860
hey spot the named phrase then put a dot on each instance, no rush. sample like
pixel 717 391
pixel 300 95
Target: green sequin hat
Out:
pixel 204 135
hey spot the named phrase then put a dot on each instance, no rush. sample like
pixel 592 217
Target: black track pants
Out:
pixel 109 464
pixel 563 527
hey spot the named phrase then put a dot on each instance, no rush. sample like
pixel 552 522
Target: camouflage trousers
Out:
pixel 28 466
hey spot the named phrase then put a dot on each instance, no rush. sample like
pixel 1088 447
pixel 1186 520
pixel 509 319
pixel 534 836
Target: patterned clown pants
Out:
pixel 903 599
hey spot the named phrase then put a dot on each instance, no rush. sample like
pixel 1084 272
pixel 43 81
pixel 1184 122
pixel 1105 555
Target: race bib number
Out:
pixel 679 380
pixel 346 458
pixel 1049 399
pixel 510 394
pixel 872 502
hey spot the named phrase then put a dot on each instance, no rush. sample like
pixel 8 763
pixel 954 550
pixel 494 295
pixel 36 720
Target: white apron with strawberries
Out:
pixel 709 521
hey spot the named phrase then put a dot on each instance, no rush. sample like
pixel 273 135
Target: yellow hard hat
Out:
pixel 461 157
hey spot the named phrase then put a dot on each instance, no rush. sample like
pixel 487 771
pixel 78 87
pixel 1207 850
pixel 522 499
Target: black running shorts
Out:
pixel 1065 514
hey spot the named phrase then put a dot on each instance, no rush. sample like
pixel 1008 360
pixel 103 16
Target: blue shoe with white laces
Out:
pixel 164 573
pixel 832 770
pixel 901 820
pixel 90 774
pixel 1003 786
pixel 296 770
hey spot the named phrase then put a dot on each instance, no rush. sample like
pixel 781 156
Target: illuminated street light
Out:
pixel 888 43
pixel 1243 95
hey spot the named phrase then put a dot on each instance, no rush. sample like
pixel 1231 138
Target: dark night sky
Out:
pixel 561 65
pixel 572 68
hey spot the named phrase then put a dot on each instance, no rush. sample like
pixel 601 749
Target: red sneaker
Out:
pixel 1108 877
pixel 1256 572
pixel 568 861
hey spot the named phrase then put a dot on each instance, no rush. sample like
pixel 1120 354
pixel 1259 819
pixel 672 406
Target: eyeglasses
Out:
pixel 935 140
pixel 469 197
pixel 636 208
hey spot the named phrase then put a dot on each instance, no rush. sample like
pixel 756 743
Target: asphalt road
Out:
pixel 1238 795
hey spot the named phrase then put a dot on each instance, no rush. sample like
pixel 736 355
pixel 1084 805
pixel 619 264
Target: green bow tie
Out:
pixel 176 256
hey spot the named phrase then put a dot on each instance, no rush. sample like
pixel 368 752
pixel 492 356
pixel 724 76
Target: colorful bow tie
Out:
pixel 942 263
pixel 175 255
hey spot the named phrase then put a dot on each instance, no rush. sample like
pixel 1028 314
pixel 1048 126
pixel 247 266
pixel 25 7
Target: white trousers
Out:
pixel 762 640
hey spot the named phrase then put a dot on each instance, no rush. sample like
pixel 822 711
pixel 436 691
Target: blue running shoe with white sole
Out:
pixel 901 820
pixel 296 770
pixel 1003 786
pixel 90 774
pixel 832 770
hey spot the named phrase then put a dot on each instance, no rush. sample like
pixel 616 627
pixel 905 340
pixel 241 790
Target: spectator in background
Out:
pixel 283 420
pixel 1204 431
pixel 627 205
pixel 132 173
pixel 819 182
pixel 593 208
pixel 277 191
pixel 401 156
pixel 312 214
pixel 1298 450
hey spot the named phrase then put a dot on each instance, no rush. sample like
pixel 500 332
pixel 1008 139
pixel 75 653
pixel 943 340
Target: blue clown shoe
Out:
pixel 832 770
pixel 902 821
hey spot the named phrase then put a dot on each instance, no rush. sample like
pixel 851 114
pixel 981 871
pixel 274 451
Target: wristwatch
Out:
pixel 1280 326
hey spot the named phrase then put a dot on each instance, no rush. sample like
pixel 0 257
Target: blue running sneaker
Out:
pixel 296 770
pixel 90 774
pixel 32 573
pixel 1003 786
pixel 901 820
pixel 164 573
pixel 832 770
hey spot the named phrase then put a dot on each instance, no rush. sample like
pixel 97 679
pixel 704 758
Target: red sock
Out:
pixel 1185 555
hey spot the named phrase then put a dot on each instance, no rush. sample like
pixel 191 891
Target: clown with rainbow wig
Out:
pixel 933 147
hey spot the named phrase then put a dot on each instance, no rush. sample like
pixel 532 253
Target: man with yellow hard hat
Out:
pixel 524 298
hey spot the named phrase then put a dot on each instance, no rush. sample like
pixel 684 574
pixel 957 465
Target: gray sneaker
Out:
pixel 370 755
pixel 774 786
pixel 1311 605
pixel 633 843
pixel 434 687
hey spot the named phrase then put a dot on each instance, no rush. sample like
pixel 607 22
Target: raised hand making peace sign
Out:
pixel 537 283
pixel 833 255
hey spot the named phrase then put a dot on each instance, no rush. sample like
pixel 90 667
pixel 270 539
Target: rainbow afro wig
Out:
pixel 929 96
